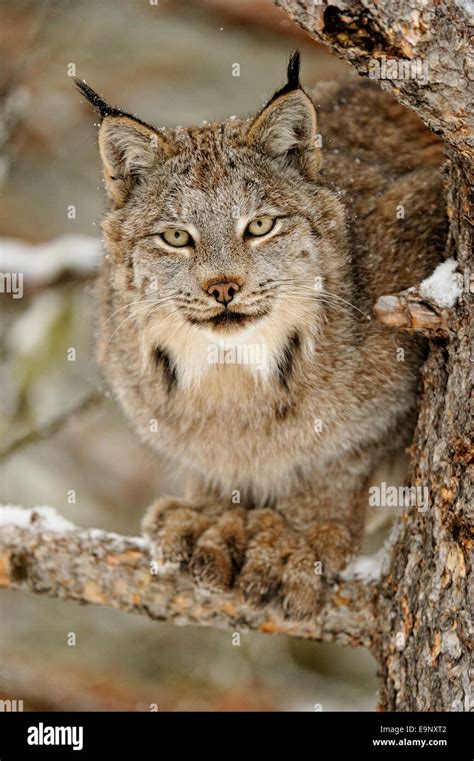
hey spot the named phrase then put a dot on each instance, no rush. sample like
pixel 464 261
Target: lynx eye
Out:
pixel 260 226
pixel 173 236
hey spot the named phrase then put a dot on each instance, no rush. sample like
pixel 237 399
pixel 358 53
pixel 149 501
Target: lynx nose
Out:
pixel 223 292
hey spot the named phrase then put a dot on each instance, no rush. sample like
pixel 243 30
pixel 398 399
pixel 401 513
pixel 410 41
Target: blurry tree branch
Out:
pixel 13 93
pixel 41 552
pixel 12 103
pixel 45 264
pixel 54 426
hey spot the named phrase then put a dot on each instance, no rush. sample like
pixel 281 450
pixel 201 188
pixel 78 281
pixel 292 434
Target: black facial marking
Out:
pixel 287 360
pixel 163 360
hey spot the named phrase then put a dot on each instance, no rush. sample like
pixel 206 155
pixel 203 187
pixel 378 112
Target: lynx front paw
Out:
pixel 173 526
pixel 210 546
pixel 279 567
pixel 332 544
pixel 268 561
pixel 286 567
pixel 266 555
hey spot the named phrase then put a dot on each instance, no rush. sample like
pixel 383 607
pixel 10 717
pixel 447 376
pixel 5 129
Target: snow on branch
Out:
pixel 444 286
pixel 426 309
pixel 41 552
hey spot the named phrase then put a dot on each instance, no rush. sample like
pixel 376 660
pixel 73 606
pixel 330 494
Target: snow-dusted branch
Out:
pixel 45 264
pixel 43 553
pixel 427 309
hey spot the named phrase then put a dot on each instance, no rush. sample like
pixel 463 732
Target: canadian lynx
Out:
pixel 235 302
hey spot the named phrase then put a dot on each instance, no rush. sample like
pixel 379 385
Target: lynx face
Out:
pixel 221 232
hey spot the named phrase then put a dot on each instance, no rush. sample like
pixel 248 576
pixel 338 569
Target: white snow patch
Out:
pixel 44 263
pixel 365 567
pixel 99 534
pixel 140 541
pixel 467 5
pixel 44 519
pixel 444 286
pixel 38 518
pixel 164 569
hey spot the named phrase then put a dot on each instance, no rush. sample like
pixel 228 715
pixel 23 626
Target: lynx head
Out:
pixel 221 231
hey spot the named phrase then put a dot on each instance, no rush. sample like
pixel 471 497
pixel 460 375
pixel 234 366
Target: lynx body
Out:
pixel 269 240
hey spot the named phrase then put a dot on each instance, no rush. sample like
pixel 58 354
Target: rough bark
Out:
pixel 424 599
pixel 438 34
pixel 425 603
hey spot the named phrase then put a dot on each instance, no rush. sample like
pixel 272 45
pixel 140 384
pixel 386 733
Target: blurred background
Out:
pixel 63 442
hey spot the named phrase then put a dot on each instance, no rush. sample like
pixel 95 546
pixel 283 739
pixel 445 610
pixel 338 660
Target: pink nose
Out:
pixel 223 292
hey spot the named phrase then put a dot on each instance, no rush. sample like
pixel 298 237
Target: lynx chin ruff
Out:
pixel 271 238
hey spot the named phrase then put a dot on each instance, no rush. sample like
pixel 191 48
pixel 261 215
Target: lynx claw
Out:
pixel 211 568
pixel 258 592
pixel 173 526
pixel 209 547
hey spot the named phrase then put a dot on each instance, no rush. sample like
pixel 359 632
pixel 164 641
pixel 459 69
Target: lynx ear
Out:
pixel 286 128
pixel 129 148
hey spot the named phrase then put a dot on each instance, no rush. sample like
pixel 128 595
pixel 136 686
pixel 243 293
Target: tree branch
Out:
pixel 407 311
pixel 54 426
pixel 433 38
pixel 41 552
pixel 428 308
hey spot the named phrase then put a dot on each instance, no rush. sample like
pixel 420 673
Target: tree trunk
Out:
pixel 423 605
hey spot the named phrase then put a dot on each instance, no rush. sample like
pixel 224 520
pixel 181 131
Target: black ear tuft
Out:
pixel 294 70
pixel 103 108
pixel 99 103
pixel 285 129
pixel 293 74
